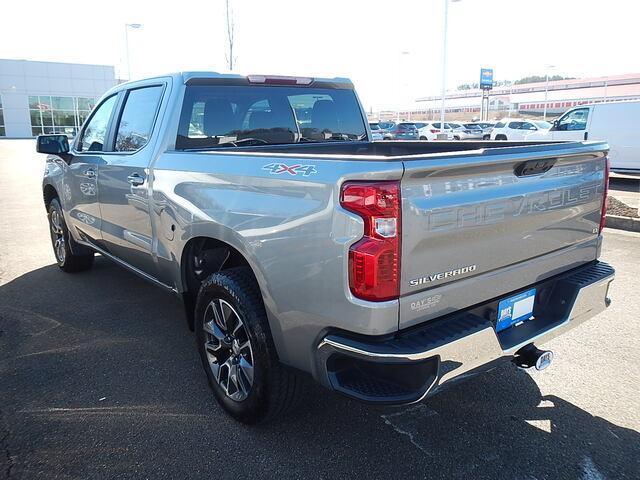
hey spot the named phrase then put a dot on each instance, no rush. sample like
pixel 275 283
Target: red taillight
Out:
pixel 374 261
pixel 435 131
pixel 603 212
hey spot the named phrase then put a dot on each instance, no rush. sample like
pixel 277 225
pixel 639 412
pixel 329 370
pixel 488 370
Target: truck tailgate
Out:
pixel 478 225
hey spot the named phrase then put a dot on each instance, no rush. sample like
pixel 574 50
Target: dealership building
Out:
pixel 48 97
pixel 530 98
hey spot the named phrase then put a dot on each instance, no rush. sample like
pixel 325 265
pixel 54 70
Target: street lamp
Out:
pixel 546 91
pixel 444 61
pixel 401 70
pixel 127 26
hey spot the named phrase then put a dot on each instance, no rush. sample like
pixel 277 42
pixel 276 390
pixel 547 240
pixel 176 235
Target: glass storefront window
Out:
pixel 86 103
pixel 58 114
pixel 62 103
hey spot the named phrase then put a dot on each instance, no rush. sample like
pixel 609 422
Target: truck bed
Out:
pixel 391 149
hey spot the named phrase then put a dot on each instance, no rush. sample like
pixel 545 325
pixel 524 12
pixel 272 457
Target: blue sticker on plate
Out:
pixel 515 309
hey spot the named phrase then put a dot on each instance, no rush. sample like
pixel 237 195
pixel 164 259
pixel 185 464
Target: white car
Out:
pixel 432 131
pixel 466 131
pixel 376 132
pixel 615 122
pixel 518 128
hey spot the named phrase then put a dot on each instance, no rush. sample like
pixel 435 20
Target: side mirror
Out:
pixel 52 144
pixel 554 124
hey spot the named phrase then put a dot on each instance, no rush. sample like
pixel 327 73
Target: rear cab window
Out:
pixel 137 118
pixel 236 115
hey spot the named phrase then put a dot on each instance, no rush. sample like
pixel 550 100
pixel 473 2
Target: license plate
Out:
pixel 518 308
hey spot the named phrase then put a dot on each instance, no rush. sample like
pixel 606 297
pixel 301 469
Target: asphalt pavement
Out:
pixel 100 378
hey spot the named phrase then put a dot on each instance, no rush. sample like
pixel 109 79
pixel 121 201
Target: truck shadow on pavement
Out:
pixel 99 377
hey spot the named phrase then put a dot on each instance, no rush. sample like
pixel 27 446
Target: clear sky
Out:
pixel 363 40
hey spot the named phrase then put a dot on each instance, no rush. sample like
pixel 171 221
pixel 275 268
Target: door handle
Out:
pixel 135 179
pixel 586 135
pixel 90 172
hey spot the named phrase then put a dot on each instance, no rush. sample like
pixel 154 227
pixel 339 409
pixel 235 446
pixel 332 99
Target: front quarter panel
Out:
pixel 282 213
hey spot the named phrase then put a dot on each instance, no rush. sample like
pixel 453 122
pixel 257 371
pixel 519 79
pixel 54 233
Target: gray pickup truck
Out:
pixel 385 270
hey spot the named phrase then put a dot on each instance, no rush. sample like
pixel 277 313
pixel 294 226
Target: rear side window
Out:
pixel 515 125
pixel 226 115
pixel 138 115
pixel 94 134
pixel 499 125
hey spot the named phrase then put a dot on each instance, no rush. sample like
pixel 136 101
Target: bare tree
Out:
pixel 230 35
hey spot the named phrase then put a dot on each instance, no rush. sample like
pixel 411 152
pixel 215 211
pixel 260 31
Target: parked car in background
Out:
pixel 462 132
pixel 405 131
pixel 486 128
pixel 473 131
pixel 431 130
pixel 517 128
pixel 376 131
pixel 386 128
pixel 617 122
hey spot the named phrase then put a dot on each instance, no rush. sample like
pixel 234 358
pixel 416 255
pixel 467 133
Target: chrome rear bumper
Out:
pixel 413 364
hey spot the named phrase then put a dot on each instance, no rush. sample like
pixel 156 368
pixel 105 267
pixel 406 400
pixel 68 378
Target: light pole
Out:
pixel 126 44
pixel 402 70
pixel 546 91
pixel 444 60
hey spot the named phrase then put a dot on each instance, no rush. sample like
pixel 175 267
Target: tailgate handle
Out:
pixel 534 167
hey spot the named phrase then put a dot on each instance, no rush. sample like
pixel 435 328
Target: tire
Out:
pixel 61 241
pixel 486 137
pixel 456 137
pixel 423 138
pixel 243 350
pixel 501 137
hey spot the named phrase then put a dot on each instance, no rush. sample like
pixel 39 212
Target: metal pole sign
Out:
pixel 486 84
pixel 486 78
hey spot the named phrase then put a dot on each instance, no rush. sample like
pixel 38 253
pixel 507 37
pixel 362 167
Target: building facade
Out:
pixel 49 97
pixel 529 99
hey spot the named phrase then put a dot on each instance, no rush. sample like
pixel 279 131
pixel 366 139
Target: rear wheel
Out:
pixel 501 137
pixel 67 260
pixel 237 351
pixel 423 138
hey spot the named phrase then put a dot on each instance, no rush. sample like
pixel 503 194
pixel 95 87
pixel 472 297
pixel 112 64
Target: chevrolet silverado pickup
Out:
pixel 384 270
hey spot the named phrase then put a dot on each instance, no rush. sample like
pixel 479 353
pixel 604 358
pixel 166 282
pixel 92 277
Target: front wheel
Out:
pixel 237 350
pixel 67 260
pixel 423 138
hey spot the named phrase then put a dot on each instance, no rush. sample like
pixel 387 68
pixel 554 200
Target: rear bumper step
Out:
pixel 413 364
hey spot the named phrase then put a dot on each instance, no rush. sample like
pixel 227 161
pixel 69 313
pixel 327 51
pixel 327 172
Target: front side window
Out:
pixel 528 126
pixel 136 121
pixel 515 125
pixel 95 132
pixel 216 115
pixel 499 125
pixel 574 120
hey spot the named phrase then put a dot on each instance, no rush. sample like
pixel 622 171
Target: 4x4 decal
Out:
pixel 280 168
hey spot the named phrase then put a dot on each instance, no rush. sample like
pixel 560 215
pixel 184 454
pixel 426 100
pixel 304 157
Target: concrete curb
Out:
pixel 623 223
